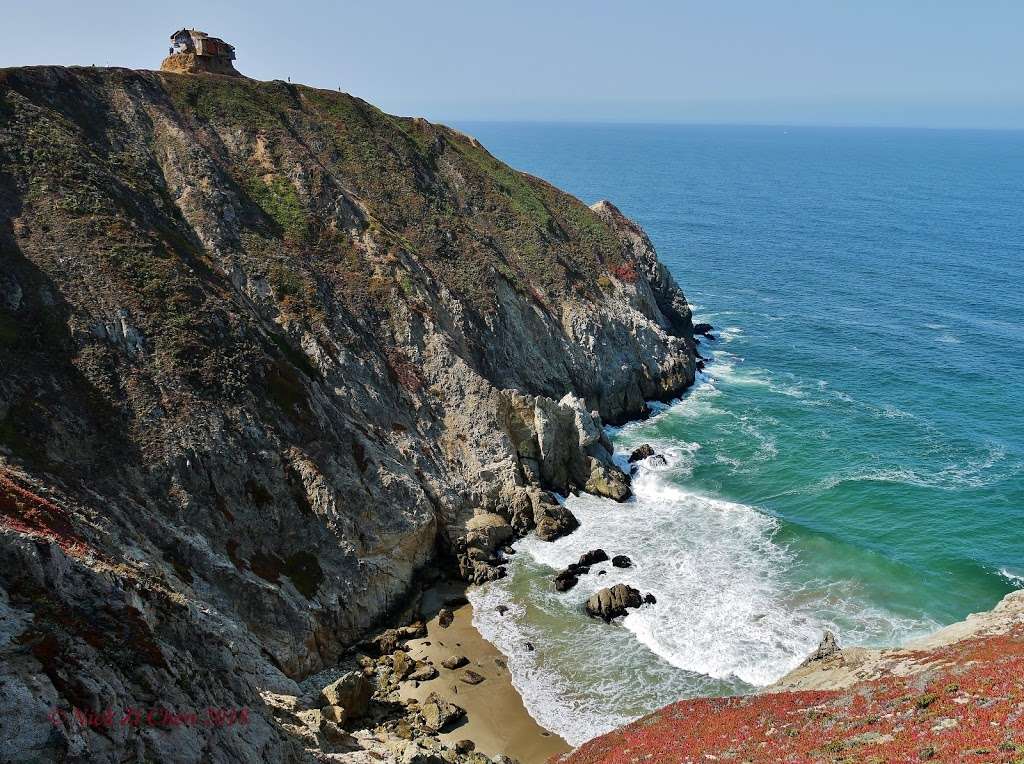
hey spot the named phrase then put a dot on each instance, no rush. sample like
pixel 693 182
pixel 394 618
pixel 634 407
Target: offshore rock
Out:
pixel 592 557
pixel 609 603
pixel 641 453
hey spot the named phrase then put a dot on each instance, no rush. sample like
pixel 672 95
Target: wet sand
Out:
pixel 496 720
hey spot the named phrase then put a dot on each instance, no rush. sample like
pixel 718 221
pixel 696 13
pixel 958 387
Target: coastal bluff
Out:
pixel 956 695
pixel 271 359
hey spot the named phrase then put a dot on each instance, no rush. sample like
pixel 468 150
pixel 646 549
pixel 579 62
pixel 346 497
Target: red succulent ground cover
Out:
pixel 967 705
pixel 625 272
pixel 25 512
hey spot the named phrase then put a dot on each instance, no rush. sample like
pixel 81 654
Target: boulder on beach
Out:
pixel 609 603
pixel 445 618
pixel 352 692
pixel 641 453
pixel 438 713
pixel 401 664
pixel 622 561
pixel 453 662
pixel 471 677
pixel 424 673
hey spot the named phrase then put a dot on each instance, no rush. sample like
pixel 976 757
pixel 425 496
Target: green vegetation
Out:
pixel 278 198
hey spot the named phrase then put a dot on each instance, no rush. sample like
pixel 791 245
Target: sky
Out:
pixel 928 63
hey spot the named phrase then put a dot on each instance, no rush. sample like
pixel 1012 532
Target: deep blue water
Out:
pixel 854 458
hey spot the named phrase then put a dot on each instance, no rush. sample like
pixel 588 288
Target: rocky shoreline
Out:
pixel 410 694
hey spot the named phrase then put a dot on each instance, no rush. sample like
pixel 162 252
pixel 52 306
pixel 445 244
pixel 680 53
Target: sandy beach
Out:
pixel 497 722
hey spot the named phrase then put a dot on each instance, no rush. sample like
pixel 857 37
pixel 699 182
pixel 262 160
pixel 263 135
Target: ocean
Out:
pixel 853 458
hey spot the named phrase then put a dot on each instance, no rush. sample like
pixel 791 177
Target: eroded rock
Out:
pixel 612 602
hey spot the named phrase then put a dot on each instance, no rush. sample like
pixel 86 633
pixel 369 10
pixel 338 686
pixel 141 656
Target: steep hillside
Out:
pixel 957 696
pixel 264 353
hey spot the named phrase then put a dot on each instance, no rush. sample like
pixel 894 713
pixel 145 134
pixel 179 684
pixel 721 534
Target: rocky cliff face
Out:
pixel 265 353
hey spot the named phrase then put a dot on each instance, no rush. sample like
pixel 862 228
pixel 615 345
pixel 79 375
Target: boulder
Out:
pixel 565 581
pixel 621 561
pixel 453 662
pixel 607 480
pixel 352 692
pixel 592 557
pixel 650 599
pixel 641 453
pixel 414 630
pixel 551 518
pixel 612 602
pixel 334 733
pixel 335 714
pixel 424 673
pixel 488 532
pixel 384 643
pixel 479 571
pixel 828 647
pixel 702 328
pixel 445 617
pixel 471 677
pixel 438 713
pixel 401 664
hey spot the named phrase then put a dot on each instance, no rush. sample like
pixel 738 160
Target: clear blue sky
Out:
pixel 891 62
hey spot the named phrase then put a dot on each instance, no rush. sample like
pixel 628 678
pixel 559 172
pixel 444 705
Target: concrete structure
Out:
pixel 194 52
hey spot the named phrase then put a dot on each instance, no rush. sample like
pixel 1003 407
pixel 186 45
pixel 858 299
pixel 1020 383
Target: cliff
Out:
pixel 956 696
pixel 268 354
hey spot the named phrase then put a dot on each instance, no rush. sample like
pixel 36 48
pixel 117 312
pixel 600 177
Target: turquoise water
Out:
pixel 854 457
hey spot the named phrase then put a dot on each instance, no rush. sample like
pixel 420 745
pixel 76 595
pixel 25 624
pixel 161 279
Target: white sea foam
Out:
pixel 729 333
pixel 1015 577
pixel 955 476
pixel 731 606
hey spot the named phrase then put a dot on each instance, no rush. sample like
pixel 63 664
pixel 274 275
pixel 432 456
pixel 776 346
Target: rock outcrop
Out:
pixel 190 63
pixel 612 602
pixel 267 353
